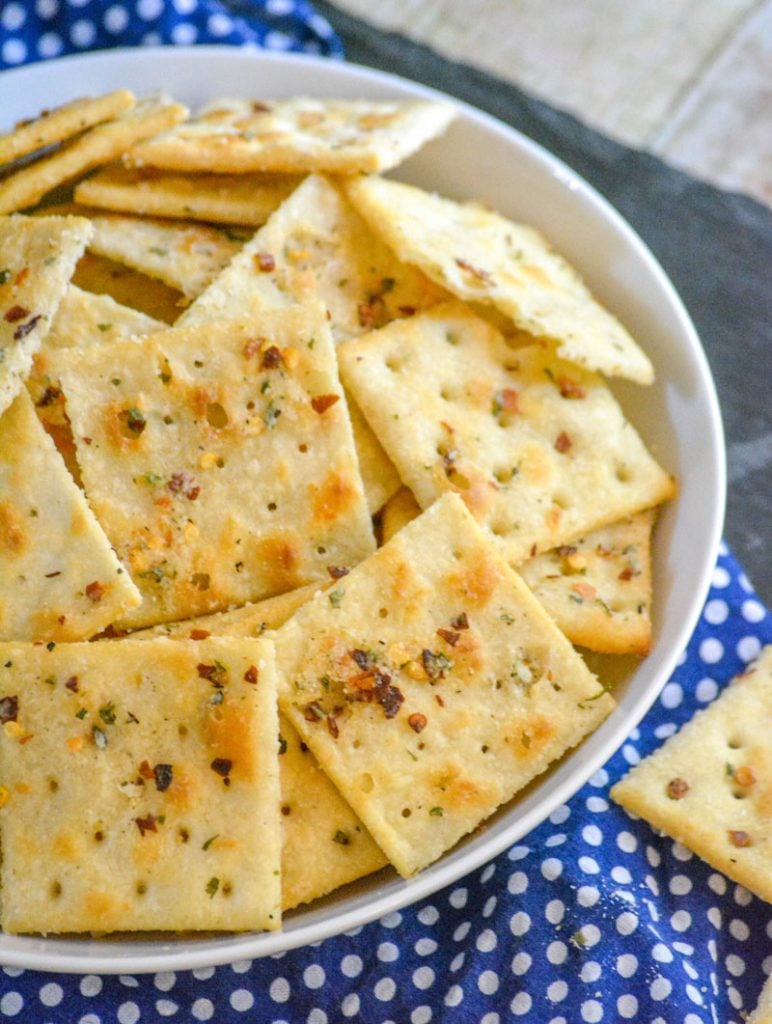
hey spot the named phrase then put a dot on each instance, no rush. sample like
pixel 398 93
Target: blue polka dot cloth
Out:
pixel 31 30
pixel 593 916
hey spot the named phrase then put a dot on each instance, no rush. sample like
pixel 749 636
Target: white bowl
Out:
pixel 678 417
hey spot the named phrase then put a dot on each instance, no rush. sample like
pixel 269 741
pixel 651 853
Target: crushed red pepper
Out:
pixel 72 684
pixel 9 709
pixel 271 358
pixel 265 262
pixel 460 622
pixel 15 313
pixel 563 442
pixel 739 838
pixel 24 329
pixel 321 403
pixel 745 776
pixel 186 484
pixel 449 636
pixel 147 824
pixel 337 572
pixel 677 788
pixel 95 591
pixel 251 675
pixel 417 721
pixel 570 389
pixel 478 272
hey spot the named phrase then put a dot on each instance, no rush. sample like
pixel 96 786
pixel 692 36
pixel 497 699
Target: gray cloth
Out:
pixel 716 247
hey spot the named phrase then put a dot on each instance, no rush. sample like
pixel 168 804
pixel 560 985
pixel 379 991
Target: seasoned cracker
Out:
pixel 62 123
pixel 59 577
pixel 481 256
pixel 432 686
pixel 219 460
pixel 709 785
pixel 379 475
pixel 141 784
pixel 238 199
pixel 528 440
pixel 37 260
pixel 128 287
pixel 295 135
pixel 187 257
pixel 99 145
pixel 598 589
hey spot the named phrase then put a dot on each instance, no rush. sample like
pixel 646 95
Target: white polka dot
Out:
pixel 630 754
pixel 350 1005
pixel 748 648
pixel 588 865
pixel 46 9
pixel 116 19
pixel 78 3
pixel 627 842
pixel 587 895
pixel 490 906
pixel 490 1018
pixel 592 835
pixel 277 41
pixel 520 923
pixel 486 941
pixel 11 1004
pixel 592 1011
pixel 680 885
pixel 164 981
pixel 686 949
pixel 148 10
pixel 717 883
pixel 734 997
pixel 488 872
pixel 627 1006
pixel 557 952
pixel 557 991
pixel 351 965
pixel 184 33
pixel 428 915
pixel 721 577
pixel 219 24
pixel 590 935
pixel 555 911
pixel 627 922
pixel 661 953
pixel 652 856
pixel 596 804
pixel 681 920
pixel 753 611
pixel 91 985
pixel 51 994
pixel 716 611
pixel 454 995
pixel 421 1015
pixel 599 778
pixel 711 650
pixel 279 990
pixel 518 852
pixel 14 51
pixel 90 1018
pixel 739 929
pixel 462 931
pixel 521 963
pixel 128 1013
pixel 203 973
pixel 50 45
pixel 387 952
pixel 488 983
pixel 458 898
pixel 742 896
pixel 241 966
pixel 672 696
pixel 203 1009
pixel 652 884
pixel 317 1016
pixel 521 1004
pixel 185 6
pixel 735 965
pixel 660 988
pixel 425 947
pixel 166 1008
pixel 627 965
pixel 714 916
pixel 457 962
pixel 423 978
pixel 518 882
pixel 745 583
pixel 385 989
pixel 666 729
pixel 13 17
pixel 314 976
pixel 557 840
pixel 691 971
pixel 242 999
pixel 560 814
pixel 551 868
pixel 280 7
pixel 82 33
pixel 590 972
pixel 706 690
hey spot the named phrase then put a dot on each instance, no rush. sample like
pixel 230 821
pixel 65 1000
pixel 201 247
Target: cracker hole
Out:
pixel 56 889
pixel 183 835
pixel 394 363
pixel 99 836
pixel 449 394
pixel 738 794
pixel 53 785
pixel 271 506
pixel 366 782
pixel 563 501
pixel 216 416
pixel 383 613
pixel 140 888
pixel 734 743
pixel 356 744
pixel 182 731
pixel 503 474
pixel 201 580
pixel 227 889
pixel 500 528
pixel 406 812
pixel 286 810
pixel 623 474
pixel 303 448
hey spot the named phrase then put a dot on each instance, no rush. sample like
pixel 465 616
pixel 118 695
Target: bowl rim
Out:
pixel 85 955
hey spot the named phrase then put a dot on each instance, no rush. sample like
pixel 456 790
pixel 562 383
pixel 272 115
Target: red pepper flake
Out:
pixel 337 572
pixel 163 777
pixel 271 358
pixel 439 700
pixel 332 726
pixel 677 788
pixel 362 659
pixel 199 634
pixel 389 697
pixel 184 483
pixel 145 771
pixel 449 636
pixel 627 573
pixel 407 310
pixel 570 389
pixel 417 721
pixel 252 347
pixel 49 396
pixel 435 664
pixel 72 684
pixel 9 709
pixel 24 329
pixel 95 591
pixel 563 442
pixel 372 314
pixel 321 403
pixel 250 676
pixel 147 824
pixel 222 765
pixel 265 262
pixel 745 776
pixel 739 838
pixel 217 674
pixel 16 313
pixel 314 712
pixel 21 277
pixel 460 621
pixel 478 272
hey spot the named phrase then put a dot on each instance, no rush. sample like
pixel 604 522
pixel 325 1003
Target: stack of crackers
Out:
pixel 310 483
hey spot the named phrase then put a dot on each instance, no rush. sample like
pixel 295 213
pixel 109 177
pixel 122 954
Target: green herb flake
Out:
pixel 271 415
pixel 341 837
pixel 206 845
pixel 212 886
pixel 104 327
pixel 81 713
pixel 107 713
pixel 282 745
pixel 5 276
pixel 437 812
pixel 335 597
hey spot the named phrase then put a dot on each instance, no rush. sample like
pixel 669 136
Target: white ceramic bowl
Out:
pixel 678 417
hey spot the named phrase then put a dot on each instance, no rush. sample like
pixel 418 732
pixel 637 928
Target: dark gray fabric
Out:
pixel 716 246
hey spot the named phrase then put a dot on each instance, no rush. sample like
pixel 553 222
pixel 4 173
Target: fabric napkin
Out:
pixel 592 916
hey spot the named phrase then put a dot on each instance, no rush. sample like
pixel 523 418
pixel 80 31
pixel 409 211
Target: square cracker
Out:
pixel 709 785
pixel 324 844
pixel 59 577
pixel 63 123
pixel 528 440
pixel 219 460
pixel 98 145
pixel 37 260
pixel 141 785
pixel 431 685
pixel 301 134
pixel 216 198
pixel 481 256
pixel 187 257
pixel 598 588
pixel 100 276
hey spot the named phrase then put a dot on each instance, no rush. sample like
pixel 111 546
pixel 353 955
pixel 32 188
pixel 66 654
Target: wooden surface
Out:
pixel 690 80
